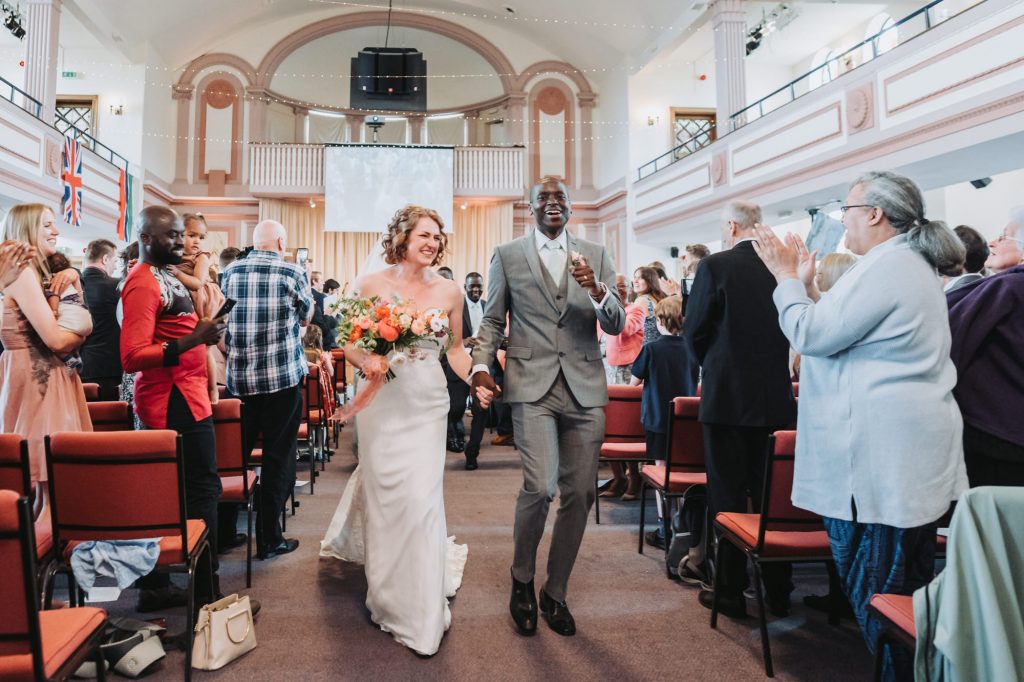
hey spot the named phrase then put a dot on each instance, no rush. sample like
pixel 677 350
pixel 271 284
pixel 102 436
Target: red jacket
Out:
pixel 622 349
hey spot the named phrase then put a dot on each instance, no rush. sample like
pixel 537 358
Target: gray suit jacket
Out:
pixel 545 335
pixel 964 280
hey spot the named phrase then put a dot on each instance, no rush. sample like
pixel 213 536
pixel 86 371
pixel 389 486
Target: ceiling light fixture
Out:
pixel 14 20
pixel 771 22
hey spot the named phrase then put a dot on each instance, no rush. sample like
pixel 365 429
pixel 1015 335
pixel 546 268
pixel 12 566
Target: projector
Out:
pixel 389 79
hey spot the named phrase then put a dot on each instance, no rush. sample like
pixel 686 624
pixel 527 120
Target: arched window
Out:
pixel 882 35
pixel 824 70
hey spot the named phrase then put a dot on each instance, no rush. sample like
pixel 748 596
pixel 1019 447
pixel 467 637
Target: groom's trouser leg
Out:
pixel 558 442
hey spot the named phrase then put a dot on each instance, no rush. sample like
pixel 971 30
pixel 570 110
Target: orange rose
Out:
pixel 356 334
pixel 387 332
pixel 383 312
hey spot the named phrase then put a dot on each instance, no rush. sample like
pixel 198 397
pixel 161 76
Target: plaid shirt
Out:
pixel 264 341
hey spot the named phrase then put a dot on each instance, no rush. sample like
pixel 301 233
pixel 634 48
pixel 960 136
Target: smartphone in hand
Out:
pixel 229 303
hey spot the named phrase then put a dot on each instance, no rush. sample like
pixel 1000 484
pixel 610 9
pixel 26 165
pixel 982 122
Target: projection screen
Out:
pixel 365 184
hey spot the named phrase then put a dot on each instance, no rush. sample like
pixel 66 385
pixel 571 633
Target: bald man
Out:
pixel 164 341
pixel 266 365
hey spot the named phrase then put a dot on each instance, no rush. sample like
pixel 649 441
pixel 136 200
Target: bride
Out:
pixel 391 515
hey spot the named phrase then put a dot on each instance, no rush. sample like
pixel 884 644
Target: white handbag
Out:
pixel 223 633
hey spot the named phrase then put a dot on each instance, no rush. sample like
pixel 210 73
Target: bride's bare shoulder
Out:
pixel 371 284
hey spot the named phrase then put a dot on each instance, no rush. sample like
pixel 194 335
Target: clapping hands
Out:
pixel 787 259
pixel 14 256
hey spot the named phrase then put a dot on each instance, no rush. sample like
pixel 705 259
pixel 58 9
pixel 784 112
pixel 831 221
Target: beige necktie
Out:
pixel 553 256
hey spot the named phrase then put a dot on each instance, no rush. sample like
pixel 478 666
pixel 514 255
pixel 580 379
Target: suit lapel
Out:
pixel 536 267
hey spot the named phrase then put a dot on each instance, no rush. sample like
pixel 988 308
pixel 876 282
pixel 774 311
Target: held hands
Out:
pixel 484 389
pixel 584 275
pixel 14 256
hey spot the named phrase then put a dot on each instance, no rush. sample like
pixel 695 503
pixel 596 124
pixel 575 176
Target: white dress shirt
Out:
pixel 476 314
pixel 877 423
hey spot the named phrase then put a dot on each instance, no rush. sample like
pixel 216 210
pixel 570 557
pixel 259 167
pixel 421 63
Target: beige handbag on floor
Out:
pixel 223 633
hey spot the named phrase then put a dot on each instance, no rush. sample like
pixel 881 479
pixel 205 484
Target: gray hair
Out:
pixel 744 213
pixel 901 202
pixel 1017 217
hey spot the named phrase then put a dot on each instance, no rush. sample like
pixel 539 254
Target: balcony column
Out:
pixel 586 173
pixel 301 116
pixel 471 128
pixel 42 29
pixel 355 127
pixel 729 19
pixel 258 102
pixel 182 94
pixel 516 119
pixel 417 126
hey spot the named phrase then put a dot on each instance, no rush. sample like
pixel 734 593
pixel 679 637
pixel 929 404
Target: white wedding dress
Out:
pixel 391 515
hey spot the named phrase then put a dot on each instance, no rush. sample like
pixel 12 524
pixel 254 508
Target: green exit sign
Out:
pixel 69 74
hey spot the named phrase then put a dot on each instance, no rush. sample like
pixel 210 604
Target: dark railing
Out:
pixel 801 85
pixel 678 152
pixel 19 98
pixel 798 86
pixel 101 150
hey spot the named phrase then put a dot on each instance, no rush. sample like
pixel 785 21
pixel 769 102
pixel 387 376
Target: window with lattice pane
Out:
pixel 77 115
pixel 692 129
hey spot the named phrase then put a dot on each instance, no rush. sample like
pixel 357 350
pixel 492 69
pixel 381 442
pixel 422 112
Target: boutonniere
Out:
pixel 577 259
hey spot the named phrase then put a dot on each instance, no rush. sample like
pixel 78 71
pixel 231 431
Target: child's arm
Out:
pixel 200 276
pixel 54 302
pixel 191 282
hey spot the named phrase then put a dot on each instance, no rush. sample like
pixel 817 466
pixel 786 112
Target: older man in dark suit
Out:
pixel 732 326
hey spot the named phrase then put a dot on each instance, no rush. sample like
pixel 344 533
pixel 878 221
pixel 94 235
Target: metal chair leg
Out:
pixel 643 509
pixel 101 665
pixel 666 526
pixel 766 648
pixel 597 502
pixel 716 584
pixel 248 549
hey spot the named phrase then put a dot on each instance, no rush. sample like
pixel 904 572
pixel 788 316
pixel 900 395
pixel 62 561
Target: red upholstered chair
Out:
pixel 34 644
pixel 684 463
pixel 340 386
pixel 780 533
pixel 92 392
pixel 896 613
pixel 624 435
pixel 95 494
pixel 114 415
pixel 237 479
pixel 14 475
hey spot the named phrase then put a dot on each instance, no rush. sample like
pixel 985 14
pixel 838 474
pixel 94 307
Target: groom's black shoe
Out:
pixel 523 606
pixel 556 613
pixel 471 455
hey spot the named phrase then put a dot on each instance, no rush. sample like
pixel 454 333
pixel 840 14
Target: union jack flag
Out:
pixel 72 176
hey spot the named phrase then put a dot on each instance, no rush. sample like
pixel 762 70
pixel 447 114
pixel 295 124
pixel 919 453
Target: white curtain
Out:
pixel 340 255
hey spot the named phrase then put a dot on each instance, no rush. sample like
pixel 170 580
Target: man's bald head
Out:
pixel 156 219
pixel 269 235
pixel 161 236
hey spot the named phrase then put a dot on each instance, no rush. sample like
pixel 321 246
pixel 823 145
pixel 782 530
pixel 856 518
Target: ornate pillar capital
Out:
pixel 182 92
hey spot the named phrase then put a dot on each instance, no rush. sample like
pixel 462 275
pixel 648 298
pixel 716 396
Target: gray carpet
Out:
pixel 633 623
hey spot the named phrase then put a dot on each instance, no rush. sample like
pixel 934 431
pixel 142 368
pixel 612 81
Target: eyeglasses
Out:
pixel 1004 238
pixel 844 209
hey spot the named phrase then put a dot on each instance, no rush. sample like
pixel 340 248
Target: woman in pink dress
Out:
pixel 39 394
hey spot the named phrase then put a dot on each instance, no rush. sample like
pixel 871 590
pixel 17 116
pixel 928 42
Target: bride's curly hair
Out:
pixel 395 240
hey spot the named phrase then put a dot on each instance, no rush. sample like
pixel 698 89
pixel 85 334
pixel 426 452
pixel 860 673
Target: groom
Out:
pixel 553 288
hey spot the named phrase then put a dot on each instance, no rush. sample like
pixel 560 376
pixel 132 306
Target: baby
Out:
pixel 194 273
pixel 70 309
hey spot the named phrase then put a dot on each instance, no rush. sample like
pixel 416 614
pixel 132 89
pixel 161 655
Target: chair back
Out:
pixel 622 415
pixel 227 425
pixel 777 510
pixel 338 358
pixel 92 392
pixel 19 620
pixel 116 486
pixel 14 471
pixel 112 415
pixel 312 391
pixel 685 447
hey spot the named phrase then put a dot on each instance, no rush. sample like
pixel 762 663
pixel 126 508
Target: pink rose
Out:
pixel 418 327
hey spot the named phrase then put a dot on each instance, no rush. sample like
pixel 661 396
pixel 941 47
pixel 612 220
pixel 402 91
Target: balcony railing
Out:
pixel 698 141
pixel 293 168
pixel 19 98
pixel 101 150
pixel 912 25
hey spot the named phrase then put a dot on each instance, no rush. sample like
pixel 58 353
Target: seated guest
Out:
pixel 974 262
pixel 879 450
pixel 101 353
pixel 313 346
pixel 322 301
pixel 164 342
pixel 667 370
pixel 987 324
pixel 1008 248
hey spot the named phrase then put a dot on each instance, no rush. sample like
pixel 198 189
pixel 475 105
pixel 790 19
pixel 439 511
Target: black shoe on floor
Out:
pixel 237 541
pixel 734 607
pixel 285 547
pixel 655 539
pixel 471 459
pixel 455 445
pixel 828 603
pixel 523 607
pixel 161 599
pixel 556 613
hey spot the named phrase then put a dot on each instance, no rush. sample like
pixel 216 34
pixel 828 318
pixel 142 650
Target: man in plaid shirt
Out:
pixel 266 365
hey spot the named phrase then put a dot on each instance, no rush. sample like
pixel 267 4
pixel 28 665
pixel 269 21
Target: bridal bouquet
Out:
pixel 380 327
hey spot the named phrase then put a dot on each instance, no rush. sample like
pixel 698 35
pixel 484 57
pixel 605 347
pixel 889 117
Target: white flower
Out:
pixel 398 359
pixel 405 319
pixel 436 324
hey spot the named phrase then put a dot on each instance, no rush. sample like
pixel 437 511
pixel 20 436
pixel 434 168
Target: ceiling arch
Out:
pixel 277 54
pixel 198 64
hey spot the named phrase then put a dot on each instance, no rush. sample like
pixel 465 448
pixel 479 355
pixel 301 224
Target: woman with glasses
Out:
pixel 879 435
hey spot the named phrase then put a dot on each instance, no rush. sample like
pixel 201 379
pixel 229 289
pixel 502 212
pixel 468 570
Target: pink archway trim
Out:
pixel 569 128
pixel 199 64
pixel 486 49
pixel 553 66
pixel 201 171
